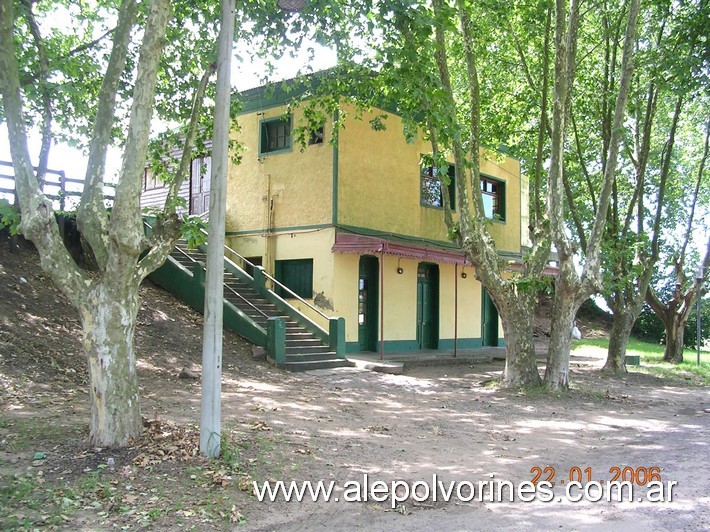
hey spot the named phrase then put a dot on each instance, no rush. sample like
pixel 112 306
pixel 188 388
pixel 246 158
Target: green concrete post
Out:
pixel 336 334
pixel 276 339
pixel 259 280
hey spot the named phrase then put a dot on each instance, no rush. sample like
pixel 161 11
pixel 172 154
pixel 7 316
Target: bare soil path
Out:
pixel 327 425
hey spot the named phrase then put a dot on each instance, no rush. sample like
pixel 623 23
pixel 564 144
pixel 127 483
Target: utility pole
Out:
pixel 211 401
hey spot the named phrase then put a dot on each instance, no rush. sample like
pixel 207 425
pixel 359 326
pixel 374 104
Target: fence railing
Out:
pixel 55 185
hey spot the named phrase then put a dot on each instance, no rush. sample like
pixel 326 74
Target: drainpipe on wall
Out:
pixel 382 303
pixel 269 263
pixel 456 307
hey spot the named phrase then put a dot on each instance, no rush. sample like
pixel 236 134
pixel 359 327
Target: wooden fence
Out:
pixel 56 185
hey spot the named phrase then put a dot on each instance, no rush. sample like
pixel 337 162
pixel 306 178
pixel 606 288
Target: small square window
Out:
pixel 317 136
pixel 275 135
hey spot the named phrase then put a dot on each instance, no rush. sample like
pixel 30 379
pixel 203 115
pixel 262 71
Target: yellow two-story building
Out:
pixel 356 227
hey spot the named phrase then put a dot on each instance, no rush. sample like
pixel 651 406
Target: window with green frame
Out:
pixel 431 189
pixel 296 274
pixel 493 192
pixel 275 135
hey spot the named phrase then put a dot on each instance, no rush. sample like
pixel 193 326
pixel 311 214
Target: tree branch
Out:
pixel 186 158
pixel 521 54
pixel 43 76
pixel 165 232
pixel 591 266
pixel 582 164
pixel 565 46
pixel 701 170
pixel 665 171
pixel 38 221
pixel 92 217
pixel 569 196
pixel 126 225
pixel 543 129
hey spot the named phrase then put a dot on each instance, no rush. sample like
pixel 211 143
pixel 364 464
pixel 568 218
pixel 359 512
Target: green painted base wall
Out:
pixel 190 289
pixel 403 346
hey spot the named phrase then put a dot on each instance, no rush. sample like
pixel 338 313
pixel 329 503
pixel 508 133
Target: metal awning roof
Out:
pixel 422 250
pixel 425 251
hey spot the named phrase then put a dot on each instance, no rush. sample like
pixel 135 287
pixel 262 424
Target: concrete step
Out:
pixel 311 357
pixel 303 342
pixel 316 364
pixel 304 350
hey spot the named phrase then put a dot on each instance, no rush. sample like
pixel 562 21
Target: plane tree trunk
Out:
pixel 108 318
pixel 108 302
pixel 520 361
pixel 572 288
pixel 675 338
pixel 622 322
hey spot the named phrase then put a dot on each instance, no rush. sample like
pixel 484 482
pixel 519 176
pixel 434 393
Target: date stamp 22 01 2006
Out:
pixel 640 476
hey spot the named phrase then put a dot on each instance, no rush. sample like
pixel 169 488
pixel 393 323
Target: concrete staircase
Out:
pixel 304 350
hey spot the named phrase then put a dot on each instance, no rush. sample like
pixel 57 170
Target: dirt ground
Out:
pixel 325 425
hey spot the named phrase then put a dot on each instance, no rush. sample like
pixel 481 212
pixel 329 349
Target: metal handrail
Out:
pixel 246 301
pixel 245 261
pixel 225 285
pixel 277 283
pixel 296 296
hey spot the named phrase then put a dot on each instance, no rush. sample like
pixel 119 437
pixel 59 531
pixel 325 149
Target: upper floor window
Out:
pixel 493 192
pixel 431 187
pixel 275 135
pixel 317 136
pixel 150 181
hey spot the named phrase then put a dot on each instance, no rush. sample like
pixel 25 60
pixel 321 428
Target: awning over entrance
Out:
pixel 424 251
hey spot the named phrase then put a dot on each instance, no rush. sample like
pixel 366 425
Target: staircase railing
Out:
pixel 275 282
pixel 273 333
pixel 229 288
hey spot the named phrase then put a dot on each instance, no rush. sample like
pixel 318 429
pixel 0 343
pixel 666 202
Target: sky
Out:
pixel 245 75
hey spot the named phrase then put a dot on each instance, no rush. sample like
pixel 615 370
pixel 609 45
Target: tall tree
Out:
pixel 41 82
pixel 675 311
pixel 573 288
pixel 646 185
pixel 432 64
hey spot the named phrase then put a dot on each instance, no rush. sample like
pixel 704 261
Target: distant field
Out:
pixel 652 359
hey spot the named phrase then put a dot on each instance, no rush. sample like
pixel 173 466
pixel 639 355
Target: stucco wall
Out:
pixel 382 167
pixel 300 183
pixel 400 300
pixel 335 283
pixel 311 244
pixel 378 183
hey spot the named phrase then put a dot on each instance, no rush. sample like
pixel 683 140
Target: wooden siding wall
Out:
pixel 155 197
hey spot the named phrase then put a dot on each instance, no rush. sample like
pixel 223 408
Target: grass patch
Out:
pixel 26 502
pixel 652 360
pixel 29 434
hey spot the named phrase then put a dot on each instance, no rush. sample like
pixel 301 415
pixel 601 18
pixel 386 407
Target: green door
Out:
pixel 428 306
pixel 489 321
pixel 367 303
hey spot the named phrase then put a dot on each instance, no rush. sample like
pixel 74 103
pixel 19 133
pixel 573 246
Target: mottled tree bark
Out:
pixel 108 304
pixel 622 322
pixel 571 288
pixel 108 318
pixel 520 360
pixel 675 338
